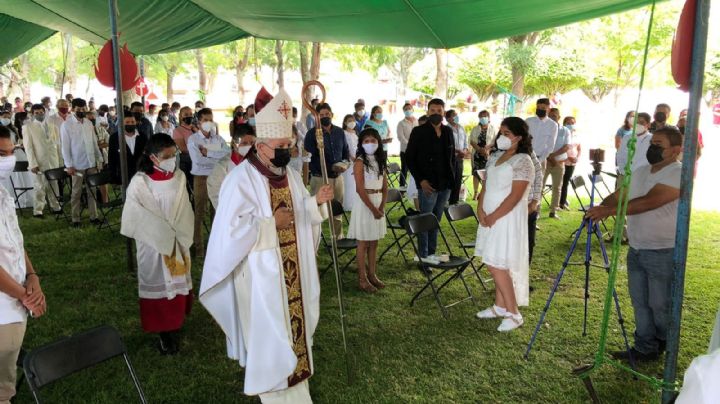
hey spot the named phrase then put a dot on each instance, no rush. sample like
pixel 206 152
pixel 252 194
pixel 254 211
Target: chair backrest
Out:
pixel 21 166
pixel 578 181
pixel 459 212
pixel 337 208
pixel 393 168
pixel 61 358
pixel 421 223
pixel 393 196
pixel 99 179
pixel 56 174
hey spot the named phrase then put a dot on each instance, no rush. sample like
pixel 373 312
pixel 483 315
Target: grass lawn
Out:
pixel 399 353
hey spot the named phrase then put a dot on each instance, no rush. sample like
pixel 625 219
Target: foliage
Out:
pixel 483 74
pixel 712 77
pixel 551 75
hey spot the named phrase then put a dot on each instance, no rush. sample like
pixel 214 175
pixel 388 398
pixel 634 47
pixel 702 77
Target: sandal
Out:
pixel 367 287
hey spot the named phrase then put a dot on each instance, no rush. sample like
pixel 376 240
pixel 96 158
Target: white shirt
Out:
pixel 460 136
pixel 544 132
pixel 130 141
pixel 202 165
pixel 404 128
pixel 12 258
pixel 641 148
pixel 79 144
pixel 654 229
pixel 168 131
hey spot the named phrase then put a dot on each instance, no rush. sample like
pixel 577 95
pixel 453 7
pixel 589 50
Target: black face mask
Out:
pixel 101 113
pixel 435 119
pixel 660 116
pixel 282 157
pixel 325 121
pixel 654 154
pixel 138 116
pixel 93 121
pixel 541 113
pixel 130 128
pixel 187 120
pixel 80 114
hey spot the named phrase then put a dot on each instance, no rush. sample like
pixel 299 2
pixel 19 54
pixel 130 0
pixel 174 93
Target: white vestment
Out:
pixel 158 215
pixel 215 179
pixel 243 284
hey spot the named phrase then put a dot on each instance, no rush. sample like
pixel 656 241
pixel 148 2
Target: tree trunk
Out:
pixel 280 64
pixel 169 77
pixel 441 73
pixel 70 66
pixel 304 73
pixel 315 61
pixel 25 72
pixel 518 71
pixel 202 76
pixel 240 67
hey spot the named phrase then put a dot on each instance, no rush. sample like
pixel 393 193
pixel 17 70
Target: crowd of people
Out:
pixel 266 187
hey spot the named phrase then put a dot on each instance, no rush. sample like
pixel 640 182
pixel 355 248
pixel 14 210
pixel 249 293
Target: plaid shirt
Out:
pixel 535 193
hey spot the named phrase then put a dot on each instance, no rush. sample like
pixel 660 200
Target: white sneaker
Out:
pixel 431 259
pixel 511 322
pixel 492 312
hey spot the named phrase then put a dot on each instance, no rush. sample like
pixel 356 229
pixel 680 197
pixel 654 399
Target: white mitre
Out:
pixel 275 120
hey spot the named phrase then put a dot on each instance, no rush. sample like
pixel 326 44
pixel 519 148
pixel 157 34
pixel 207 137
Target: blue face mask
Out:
pixel 251 121
pixel 408 113
pixel 456 119
pixel 570 127
pixel 379 116
pixel 484 121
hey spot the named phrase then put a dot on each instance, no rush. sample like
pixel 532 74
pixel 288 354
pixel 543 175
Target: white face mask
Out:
pixel 7 166
pixel 639 129
pixel 4 121
pixel 351 125
pixel 370 148
pixel 243 150
pixel 165 118
pixel 207 126
pixel 167 165
pixel 504 143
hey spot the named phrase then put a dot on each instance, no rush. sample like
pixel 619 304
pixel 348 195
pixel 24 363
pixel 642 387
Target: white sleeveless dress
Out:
pixel 363 225
pixel 505 244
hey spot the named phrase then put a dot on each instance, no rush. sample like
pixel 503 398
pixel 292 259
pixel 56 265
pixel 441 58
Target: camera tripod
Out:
pixel 592 229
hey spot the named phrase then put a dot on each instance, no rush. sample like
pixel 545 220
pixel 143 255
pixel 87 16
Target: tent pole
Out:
pixel 142 75
pixel 112 5
pixel 699 48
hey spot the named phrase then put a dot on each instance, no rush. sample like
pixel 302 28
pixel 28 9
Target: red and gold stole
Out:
pixel 280 197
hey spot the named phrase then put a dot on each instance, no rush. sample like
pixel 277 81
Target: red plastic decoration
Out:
pixel 262 98
pixel 682 46
pixel 141 88
pixel 104 71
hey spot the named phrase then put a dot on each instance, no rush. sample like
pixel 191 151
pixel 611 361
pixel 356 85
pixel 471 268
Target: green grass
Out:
pixel 399 353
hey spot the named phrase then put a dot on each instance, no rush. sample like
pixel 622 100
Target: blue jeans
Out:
pixel 650 276
pixel 435 203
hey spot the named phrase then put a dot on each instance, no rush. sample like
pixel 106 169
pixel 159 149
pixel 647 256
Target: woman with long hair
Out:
pixel 367 223
pixel 351 138
pixel 502 238
pixel 158 215
pixel 625 129
pixel 377 121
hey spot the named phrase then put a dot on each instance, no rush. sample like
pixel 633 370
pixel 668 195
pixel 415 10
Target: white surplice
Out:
pixel 243 284
pixel 216 178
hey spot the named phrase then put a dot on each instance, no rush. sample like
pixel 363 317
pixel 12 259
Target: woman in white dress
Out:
pixel 163 124
pixel 502 239
pixel 158 215
pixel 367 223
pixel 351 138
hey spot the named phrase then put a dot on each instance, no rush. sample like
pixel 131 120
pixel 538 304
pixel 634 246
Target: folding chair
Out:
pixel 394 173
pixel 546 189
pixel 95 181
pixel 20 167
pixel 344 245
pixel 393 202
pixel 456 213
pixel 54 361
pixel 62 178
pixel 422 223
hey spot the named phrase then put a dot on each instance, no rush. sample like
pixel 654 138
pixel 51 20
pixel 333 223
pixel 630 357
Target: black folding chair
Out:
pixel 94 182
pixel 394 173
pixel 401 239
pixel 54 361
pixel 456 213
pixel 344 245
pixel 18 191
pixel 62 178
pixel 422 223
pixel 546 189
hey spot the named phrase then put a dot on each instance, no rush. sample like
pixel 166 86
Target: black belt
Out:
pixel 329 176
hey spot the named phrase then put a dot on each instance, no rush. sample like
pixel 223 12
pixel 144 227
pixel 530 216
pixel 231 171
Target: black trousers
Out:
pixel 455 191
pixel 566 180
pixel 403 169
pixel 532 229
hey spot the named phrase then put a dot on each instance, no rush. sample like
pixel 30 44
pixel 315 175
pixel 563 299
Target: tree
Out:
pixel 202 76
pixel 551 75
pixel 441 73
pixel 240 56
pixel 280 63
pixel 712 79
pixel 486 75
pixel 520 55
pixel 165 67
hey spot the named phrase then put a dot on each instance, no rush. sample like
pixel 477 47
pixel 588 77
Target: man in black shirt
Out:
pixel 430 156
pixel 336 151
pixel 144 126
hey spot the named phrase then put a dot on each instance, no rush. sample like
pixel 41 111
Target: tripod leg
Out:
pixel 588 259
pixel 553 290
